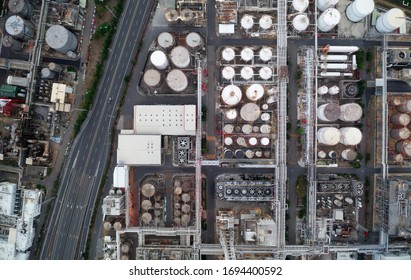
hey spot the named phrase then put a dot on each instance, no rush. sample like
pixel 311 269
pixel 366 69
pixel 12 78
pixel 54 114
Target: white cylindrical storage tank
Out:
pixel 152 78
pixel 228 128
pixel 359 9
pixel 328 19
pixel 349 154
pixel 247 54
pixel 351 112
pixel 55 67
pixel 249 154
pixel 231 114
pixel 21 7
pixel 322 5
pixel 61 39
pixel 247 73
pixel 330 74
pixel 400 119
pixel 405 107
pixel 329 136
pixel 231 95
pixel 247 128
pixel 228 54
pixel 228 72
pixel 177 80
pixel 339 49
pixel 321 154
pixel 47 74
pixel 19 28
pixel 334 57
pixel 171 15
pixel 241 141
pixel 17 81
pixel 247 22
pixel 334 66
pixel 165 40
pixel 300 5
pixel 159 60
pixel 250 112
pixel 194 41
pixel 403 147
pixel 390 21
pixel 265 54
pixel 329 112
pixel 400 133
pixel 265 128
pixel 228 141
pixel 265 73
pixel 187 16
pixel 265 141
pixel 9 42
pixel 255 92
pixel 301 22
pixel 334 90
pixel 322 90
pixel 350 136
pixel 180 57
pixel 266 22
pixel 265 117
pixel 252 141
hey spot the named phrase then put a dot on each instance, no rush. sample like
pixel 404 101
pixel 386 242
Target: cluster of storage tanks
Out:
pixel 249 22
pixel 186 16
pixel 400 123
pixel 172 58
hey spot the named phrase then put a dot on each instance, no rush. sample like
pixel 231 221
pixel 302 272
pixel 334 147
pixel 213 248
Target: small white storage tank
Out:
pixel 177 80
pixel 300 5
pixel 322 5
pixel 247 73
pixel 266 22
pixel 18 81
pixel 400 133
pixel 359 9
pixel 171 15
pixel 400 119
pixel 301 22
pixel 339 49
pixel 329 112
pixel 241 141
pixel 403 147
pixel 247 22
pixel 349 154
pixel 350 136
pixel 396 101
pixel 47 74
pixel 252 141
pixel 265 141
pixel 159 60
pixel 55 67
pixel 228 141
pixel 322 154
pixel 328 19
pixel 351 112
pixel 249 154
pixel 231 95
pixel 228 54
pixel 390 21
pixel 329 136
pixel 265 54
pixel 194 41
pixel 152 78
pixel 322 90
pixel 334 66
pixel 255 92
pixel 247 128
pixel 247 54
pixel 61 39
pixel 228 72
pixel 334 90
pixel 265 73
pixel 231 114
pixel 165 40
pixel 405 107
pixel 20 28
pixel 228 128
pixel 250 112
pixel 334 57
pixel 265 128
pixel 180 57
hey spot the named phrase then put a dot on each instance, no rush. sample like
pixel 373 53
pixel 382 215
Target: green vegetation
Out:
pixel 301 190
pixel 127 79
pixel 299 74
pixel 301 213
pixel 362 85
pixel 300 131
pixel 102 31
pixel 288 126
pixel 71 69
pixel 368 157
pixel 359 156
pixel 42 188
pixel 368 56
pixel 361 59
pixel 203 113
pixel 356 164
pixel 204 147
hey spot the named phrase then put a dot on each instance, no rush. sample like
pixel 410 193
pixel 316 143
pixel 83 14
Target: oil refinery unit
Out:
pixel 185 12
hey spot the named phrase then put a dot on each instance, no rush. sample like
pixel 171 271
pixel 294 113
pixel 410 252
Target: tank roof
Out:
pixel 180 57
pixel 165 40
pixel 57 36
pixel 231 95
pixel 250 112
pixel 228 54
pixel 247 22
pixel 177 80
pixel 255 92
pixel 15 25
pixel 265 73
pixel 152 77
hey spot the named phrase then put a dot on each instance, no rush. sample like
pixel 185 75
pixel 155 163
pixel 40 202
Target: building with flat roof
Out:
pixel 136 149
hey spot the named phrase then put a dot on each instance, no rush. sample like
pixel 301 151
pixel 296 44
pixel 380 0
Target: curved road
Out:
pixel 69 223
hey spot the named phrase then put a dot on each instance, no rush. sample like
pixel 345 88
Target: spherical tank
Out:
pixel 231 95
pixel 228 128
pixel 61 39
pixel 322 5
pixel 403 147
pixel 333 90
pixel 400 133
pixel 247 22
pixel 350 136
pixel 300 5
pixel 177 80
pixel 20 28
pixel 55 67
pixel 255 92
pixel 9 42
pixel 146 218
pixel 390 21
pixel 359 9
pixel 328 136
pixel 231 114
pixel 405 107
pixel 165 40
pixel 47 74
pixel 228 72
pixel 107 225
pixel 265 73
pixel 21 7
pixel 247 54
pixel 329 19
pixel 400 119
pixel 247 72
pixel 194 41
pixel 301 23
pixel 171 15
pixel 180 57
pixel 329 112
pixel 349 154
pixel 265 117
pixel 250 112
pixel 351 112
pixel 187 16
pixel 266 22
pixel 322 90
pixel 334 57
pixel 146 205
pixel 228 54
pixel 265 54
pixel 152 78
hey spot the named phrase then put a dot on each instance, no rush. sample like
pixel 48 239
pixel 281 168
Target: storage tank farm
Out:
pixel 399 130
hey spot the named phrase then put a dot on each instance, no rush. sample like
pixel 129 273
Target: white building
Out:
pixel 136 149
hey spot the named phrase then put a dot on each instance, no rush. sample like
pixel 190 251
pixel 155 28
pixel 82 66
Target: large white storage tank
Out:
pixel 300 5
pixel 334 66
pixel 265 54
pixel 228 54
pixel 390 21
pixel 247 54
pixel 301 22
pixel 159 60
pixel 177 80
pixel 231 95
pixel 351 112
pixel 334 57
pixel 250 112
pixel 255 92
pixel 329 136
pixel 350 136
pixel 194 41
pixel 152 78
pixel 165 40
pixel 359 9
pixel 339 49
pixel 265 73
pixel 228 72
pixel 266 22
pixel 61 39
pixel 20 28
pixel 247 22
pixel 180 57
pixel 17 81
pixel 322 5
pixel 247 73
pixel 329 112
pixel 21 7
pixel 328 19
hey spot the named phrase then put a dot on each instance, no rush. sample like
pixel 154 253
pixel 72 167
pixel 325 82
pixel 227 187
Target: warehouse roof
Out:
pixel 139 149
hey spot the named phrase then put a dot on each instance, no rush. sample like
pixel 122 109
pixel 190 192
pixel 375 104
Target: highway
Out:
pixel 68 226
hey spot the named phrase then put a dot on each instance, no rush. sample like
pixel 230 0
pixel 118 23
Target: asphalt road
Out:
pixel 68 227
